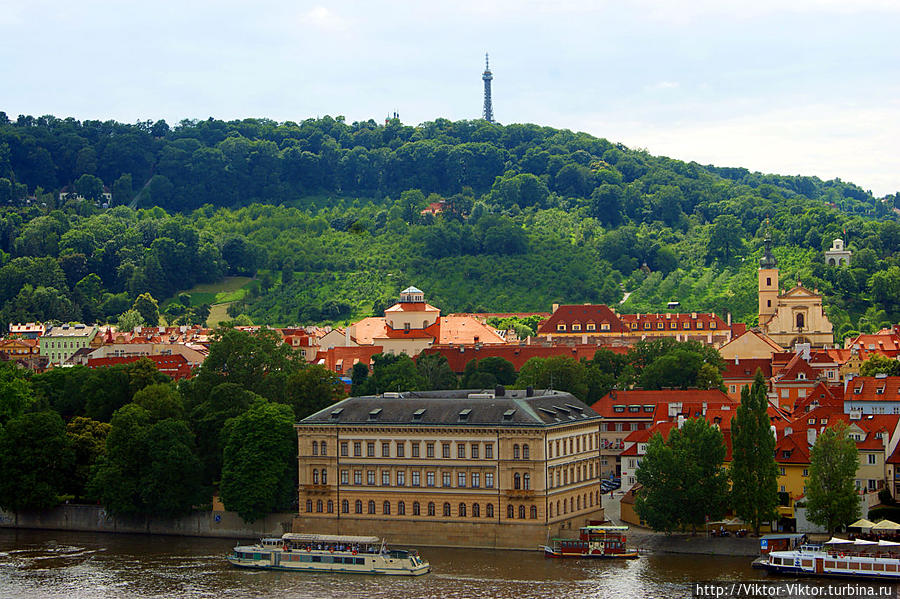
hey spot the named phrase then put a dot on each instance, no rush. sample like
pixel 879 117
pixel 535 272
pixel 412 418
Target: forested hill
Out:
pixel 328 215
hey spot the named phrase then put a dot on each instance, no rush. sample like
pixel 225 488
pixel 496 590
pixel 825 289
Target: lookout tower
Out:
pixel 488 112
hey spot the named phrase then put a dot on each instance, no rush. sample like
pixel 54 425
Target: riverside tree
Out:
pixel 832 500
pixel 682 480
pixel 754 488
pixel 35 458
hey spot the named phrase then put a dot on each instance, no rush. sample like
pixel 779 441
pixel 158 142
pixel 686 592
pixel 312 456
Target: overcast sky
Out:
pixel 787 86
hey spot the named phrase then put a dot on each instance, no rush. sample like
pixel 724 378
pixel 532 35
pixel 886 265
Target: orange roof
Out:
pixel 797 369
pixel 429 332
pixel 460 355
pixel 642 400
pixel 870 388
pixel 746 368
pixel 792 449
pixel 342 359
pixel 365 330
pixel 568 315
pixel 884 340
pixel 694 320
pixel 466 329
pixel 412 307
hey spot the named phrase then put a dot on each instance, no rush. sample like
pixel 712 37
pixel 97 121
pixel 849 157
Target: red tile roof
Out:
pixel 695 321
pixel 870 388
pixel 412 307
pixel 175 366
pixel 744 369
pixel 342 359
pixel 690 399
pixel 458 355
pixel 568 315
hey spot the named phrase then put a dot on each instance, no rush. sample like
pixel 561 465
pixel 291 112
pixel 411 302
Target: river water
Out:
pixel 67 565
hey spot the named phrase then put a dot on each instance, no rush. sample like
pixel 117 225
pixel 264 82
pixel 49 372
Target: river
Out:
pixel 67 565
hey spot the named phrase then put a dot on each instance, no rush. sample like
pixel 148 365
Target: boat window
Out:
pixel 317 558
pixel 360 561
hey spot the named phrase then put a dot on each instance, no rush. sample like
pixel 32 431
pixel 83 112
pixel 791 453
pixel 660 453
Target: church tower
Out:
pixel 768 282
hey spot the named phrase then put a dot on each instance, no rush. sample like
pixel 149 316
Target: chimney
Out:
pixel 555 307
pixel 680 420
pixel 737 360
pixel 811 436
pixel 729 319
pixel 774 432
pixel 704 408
pixel 347 336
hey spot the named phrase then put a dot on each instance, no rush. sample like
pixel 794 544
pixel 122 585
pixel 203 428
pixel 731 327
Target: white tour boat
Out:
pixel 837 557
pixel 329 553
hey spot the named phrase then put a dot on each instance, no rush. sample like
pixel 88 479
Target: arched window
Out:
pixel 579 501
pixel 401 508
pixel 322 448
pixel 345 507
pixel 534 512
pixel 315 448
pixel 462 510
pixel 565 506
pixel 551 509
pixel 476 510
pixel 510 512
pixel 386 508
pixel 516 451
pixel 431 508
pixel 330 506
pixel 800 321
pixel 521 512
pixel 315 476
pixel 371 507
pixel 446 509
pixel 526 481
pixel 517 481
pixel 489 510
pixel 358 506
pixel 526 453
pixel 324 476
pixel 309 505
pixel 319 506
pixel 417 510
pixel 557 508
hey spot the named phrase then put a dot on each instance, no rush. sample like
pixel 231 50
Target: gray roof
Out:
pixel 472 407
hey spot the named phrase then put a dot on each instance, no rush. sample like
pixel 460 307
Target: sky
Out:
pixel 792 87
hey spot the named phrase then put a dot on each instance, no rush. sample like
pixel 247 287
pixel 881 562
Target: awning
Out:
pixel 836 541
pixel 862 523
pixel 864 542
pixel 886 525
pixel 883 543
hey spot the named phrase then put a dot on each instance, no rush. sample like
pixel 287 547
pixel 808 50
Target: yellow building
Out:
pixel 451 468
pixel 790 317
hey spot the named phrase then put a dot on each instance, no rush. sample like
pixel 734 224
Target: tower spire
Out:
pixel 767 260
pixel 488 112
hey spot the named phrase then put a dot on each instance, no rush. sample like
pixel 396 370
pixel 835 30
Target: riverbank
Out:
pixel 649 541
pixel 93 518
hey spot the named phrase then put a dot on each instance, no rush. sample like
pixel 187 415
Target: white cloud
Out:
pixel 663 85
pixel 323 18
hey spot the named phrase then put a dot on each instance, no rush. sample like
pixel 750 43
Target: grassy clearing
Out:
pixel 217 314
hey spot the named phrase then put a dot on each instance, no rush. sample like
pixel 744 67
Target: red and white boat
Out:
pixel 596 541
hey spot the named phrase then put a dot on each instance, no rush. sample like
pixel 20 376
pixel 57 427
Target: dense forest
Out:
pixel 328 218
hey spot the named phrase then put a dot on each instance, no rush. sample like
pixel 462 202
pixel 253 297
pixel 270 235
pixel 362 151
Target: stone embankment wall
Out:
pixel 93 518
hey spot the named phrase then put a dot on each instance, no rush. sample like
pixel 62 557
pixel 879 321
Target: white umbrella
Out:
pixel 862 523
pixel 886 525
pixel 864 542
pixel 883 543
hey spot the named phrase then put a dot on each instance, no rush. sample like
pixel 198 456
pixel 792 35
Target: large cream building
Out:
pixel 451 468
pixel 790 317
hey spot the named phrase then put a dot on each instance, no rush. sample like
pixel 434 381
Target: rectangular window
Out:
pixel 460 479
pixel 357 449
pixel 445 450
pixel 385 478
pixel 429 450
pixel 781 470
pixel 489 451
pixel 461 450
pixel 345 477
pixel 415 449
pixel 871 458
pixel 489 480
pixel 445 479
pixel 370 449
pixel 344 450
pixel 806 472
pixel 357 477
pixel 476 480
pixel 474 451
pixel 401 449
pixel 429 479
pixel 415 478
pixel 385 450
pixel 401 478
pixel 370 477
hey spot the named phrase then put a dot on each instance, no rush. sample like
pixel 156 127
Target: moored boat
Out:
pixel 596 541
pixel 329 553
pixel 879 560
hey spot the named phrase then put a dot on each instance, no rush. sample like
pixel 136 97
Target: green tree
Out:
pixel 15 392
pixel 122 190
pixel 394 372
pixel 725 238
pixel 161 400
pixel 148 308
pixel 36 461
pixel 88 441
pixel 130 320
pixel 879 364
pixel 436 372
pixel 832 500
pixel 89 187
pixel 312 388
pixel 558 372
pixel 359 379
pixel 754 473
pixel 259 473
pixel 660 480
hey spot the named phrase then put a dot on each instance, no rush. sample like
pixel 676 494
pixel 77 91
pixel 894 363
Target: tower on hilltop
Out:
pixel 488 112
pixel 768 281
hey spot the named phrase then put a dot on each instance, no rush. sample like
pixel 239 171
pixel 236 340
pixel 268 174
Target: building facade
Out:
pixel 451 468
pixel 59 343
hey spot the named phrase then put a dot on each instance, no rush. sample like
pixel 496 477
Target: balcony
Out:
pixel 315 489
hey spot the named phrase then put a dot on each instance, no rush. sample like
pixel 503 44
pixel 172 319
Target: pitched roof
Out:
pixel 412 307
pixel 705 321
pixel 431 408
pixel 797 369
pixel 746 368
pixel 458 356
pixel 873 388
pixel 459 329
pixel 365 330
pixel 611 405
pixel 582 314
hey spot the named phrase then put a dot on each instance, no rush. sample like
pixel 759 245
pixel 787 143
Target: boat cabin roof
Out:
pixel 604 528
pixel 314 538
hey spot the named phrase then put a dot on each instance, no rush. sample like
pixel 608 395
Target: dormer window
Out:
pixel 880 390
pixel 646 326
pixel 801 376
pixel 634 408
pixel 712 324
pixel 823 421
pixel 561 326
pixel 591 326
pixel 687 324
pixel 576 326
pixel 699 324
pixel 660 324
pixel 673 325
pixel 634 326
pixel 374 414
pixel 857 390
pixel 417 415
pixel 811 421
pixel 618 409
